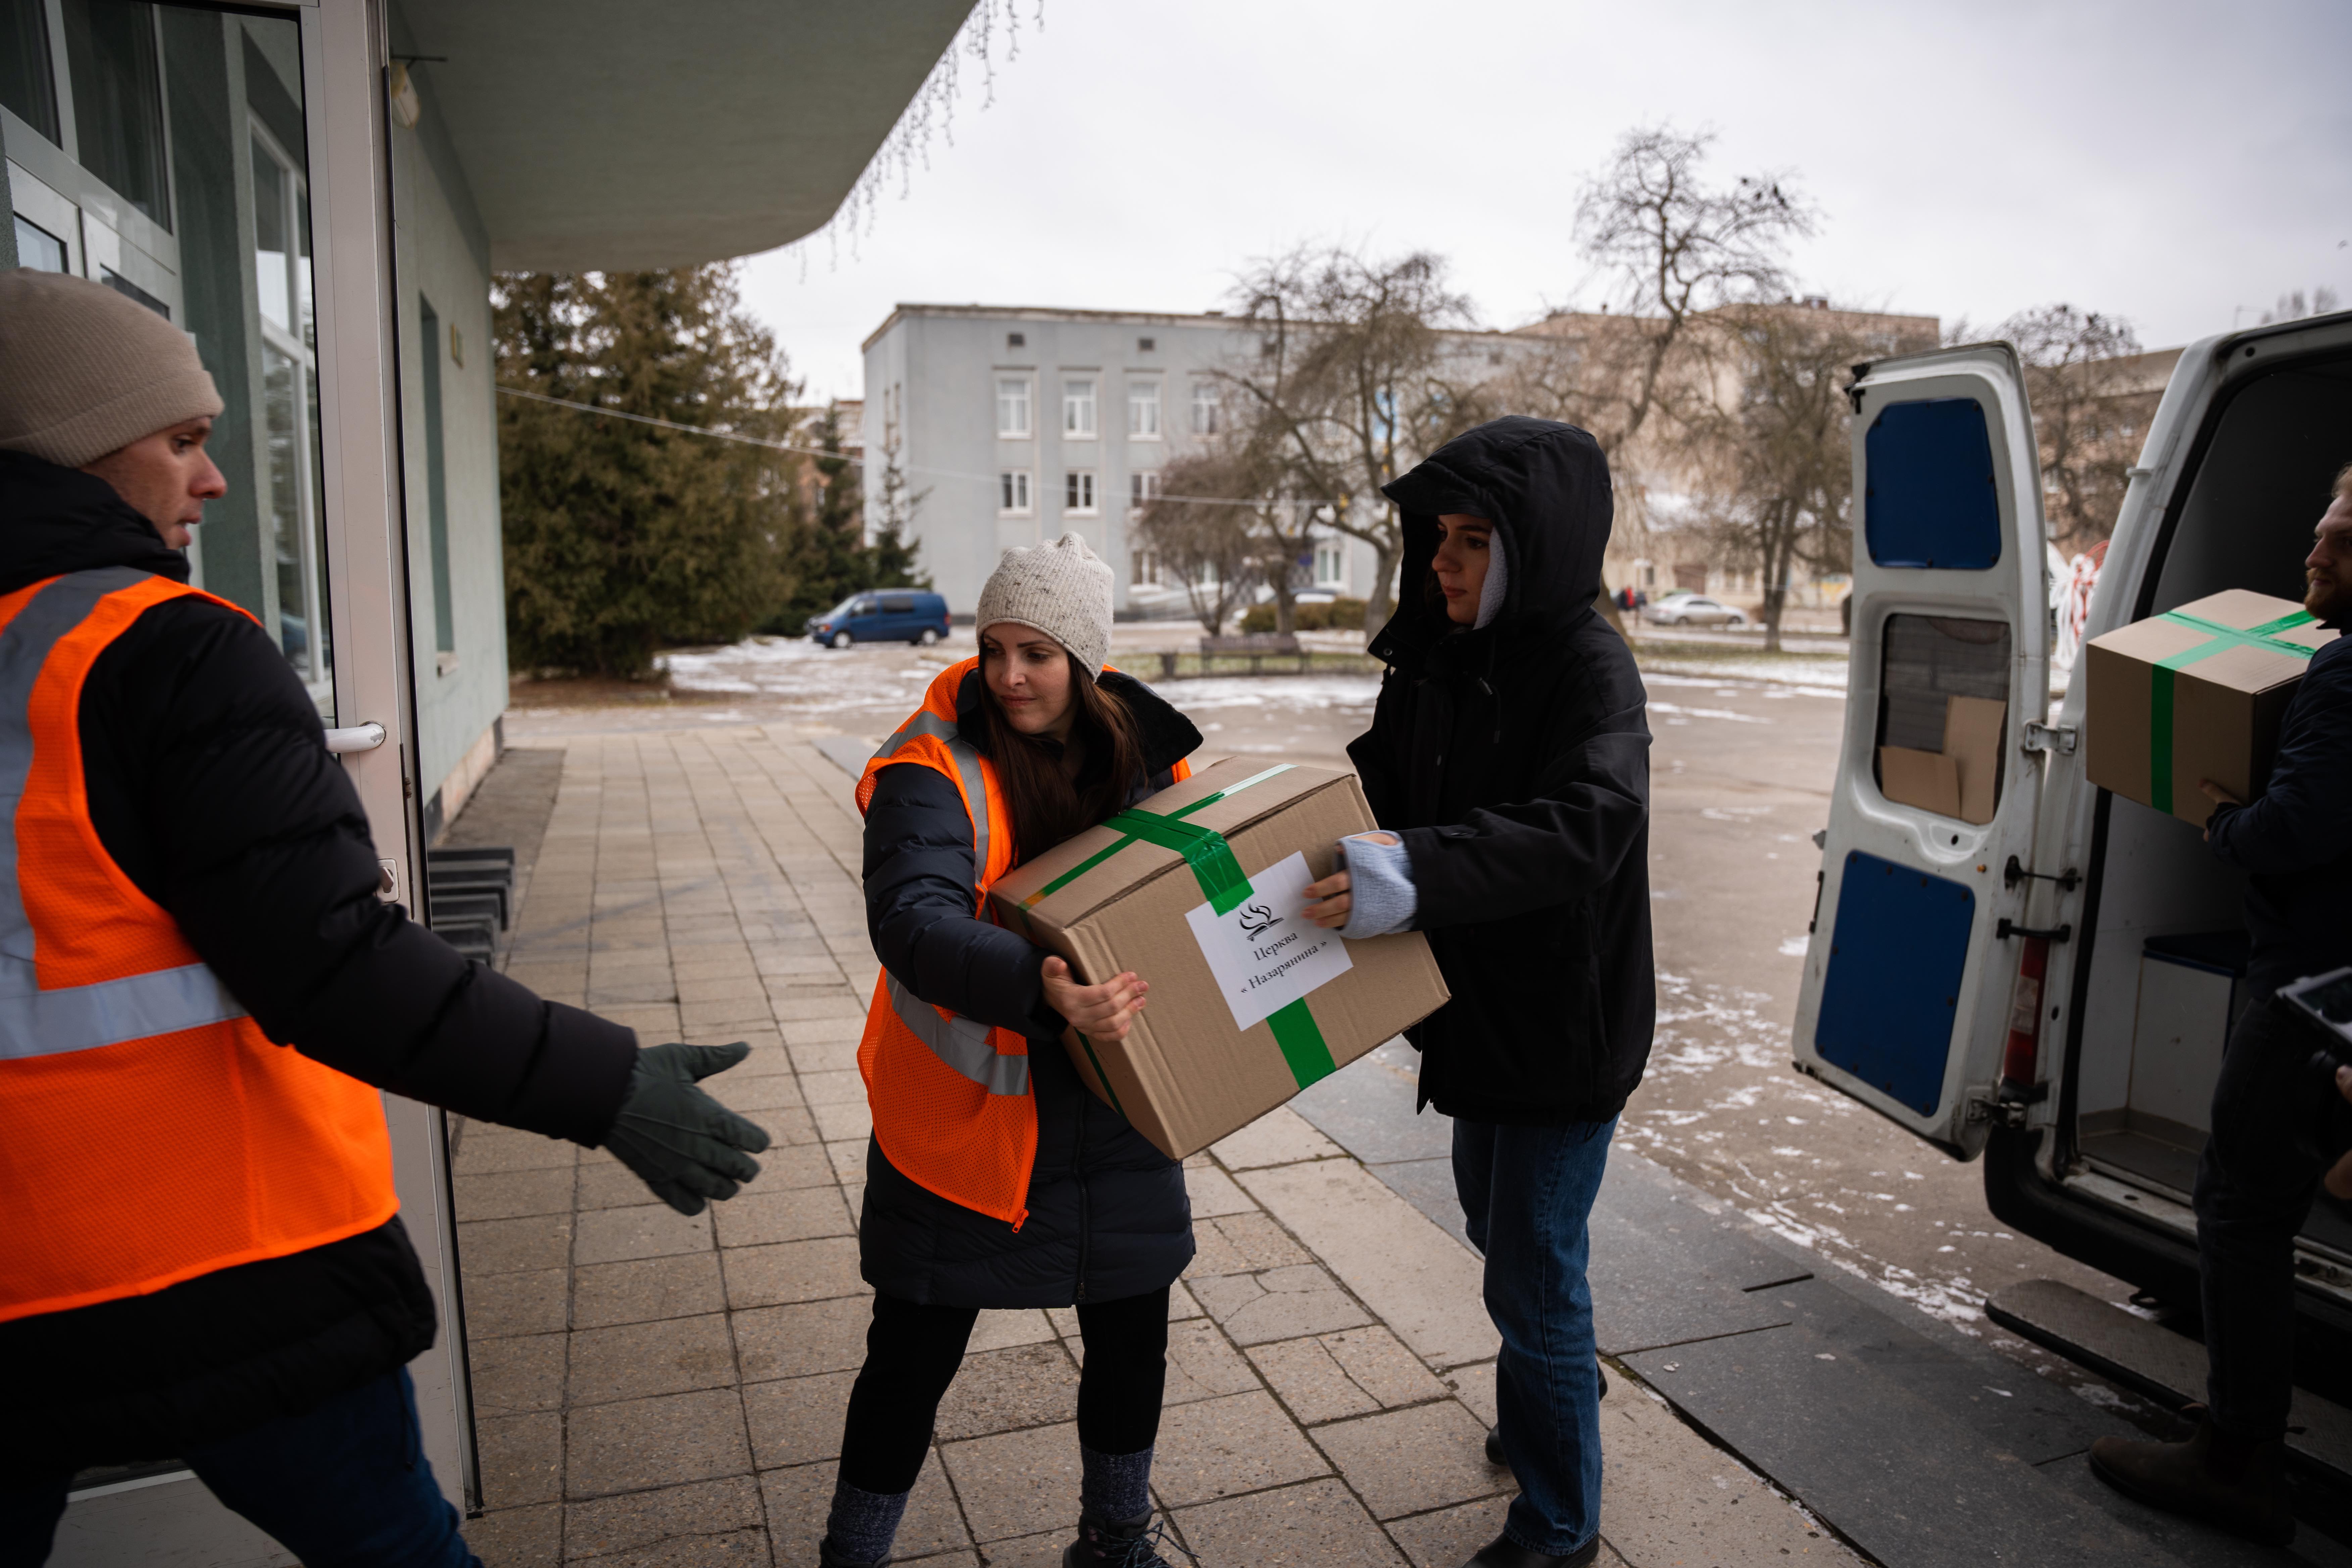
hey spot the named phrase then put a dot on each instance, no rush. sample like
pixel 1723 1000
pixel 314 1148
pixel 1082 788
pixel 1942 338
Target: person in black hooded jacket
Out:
pixel 209 787
pixel 1508 765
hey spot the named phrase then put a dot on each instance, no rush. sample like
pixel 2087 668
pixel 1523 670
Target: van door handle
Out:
pixel 358 738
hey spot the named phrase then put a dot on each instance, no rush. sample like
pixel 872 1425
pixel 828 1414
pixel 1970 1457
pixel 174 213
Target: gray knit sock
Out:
pixel 863 1524
pixel 1115 1487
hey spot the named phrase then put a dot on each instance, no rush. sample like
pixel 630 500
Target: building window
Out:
pixel 117 75
pixel 1142 488
pixel 1016 340
pixel 1330 564
pixel 1079 408
pixel 290 490
pixel 437 480
pixel 1145 566
pixel 1078 490
pixel 37 248
pixel 26 86
pixel 1012 407
pixel 1206 405
pixel 1012 491
pixel 1144 410
pixel 1145 345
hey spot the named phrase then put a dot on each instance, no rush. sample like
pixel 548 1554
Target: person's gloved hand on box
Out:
pixel 681 1142
pixel 1371 894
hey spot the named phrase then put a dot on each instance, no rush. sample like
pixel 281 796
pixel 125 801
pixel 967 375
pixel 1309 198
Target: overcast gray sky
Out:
pixel 2180 165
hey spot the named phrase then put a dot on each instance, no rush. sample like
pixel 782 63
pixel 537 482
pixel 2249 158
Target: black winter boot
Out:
pixel 1504 1552
pixel 1121 1543
pixel 2239 1487
pixel 826 1557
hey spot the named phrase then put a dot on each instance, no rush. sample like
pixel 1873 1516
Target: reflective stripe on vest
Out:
pixel 34 1022
pixel 968 768
pixel 114 1033
pixel 961 1043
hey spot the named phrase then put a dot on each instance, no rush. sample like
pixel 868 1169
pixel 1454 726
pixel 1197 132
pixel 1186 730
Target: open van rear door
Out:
pixel 1914 951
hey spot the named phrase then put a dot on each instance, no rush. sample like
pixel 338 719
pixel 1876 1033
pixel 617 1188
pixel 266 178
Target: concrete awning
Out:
pixel 597 134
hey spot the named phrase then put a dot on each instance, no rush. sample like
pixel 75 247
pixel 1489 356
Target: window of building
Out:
pixel 1143 409
pixel 436 486
pixel 1142 488
pixel 1078 490
pixel 1330 564
pixel 289 398
pixel 1011 407
pixel 1206 406
pixel 1145 345
pixel 1079 408
pixel 37 246
pixel 1016 340
pixel 26 88
pixel 1143 567
pixel 118 101
pixel 1012 491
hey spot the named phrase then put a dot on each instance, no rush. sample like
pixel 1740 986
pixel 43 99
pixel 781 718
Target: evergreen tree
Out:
pixel 621 536
pixel 832 561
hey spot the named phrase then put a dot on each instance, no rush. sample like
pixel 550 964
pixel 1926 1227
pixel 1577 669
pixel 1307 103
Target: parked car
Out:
pixel 1693 610
pixel 2050 988
pixel 899 615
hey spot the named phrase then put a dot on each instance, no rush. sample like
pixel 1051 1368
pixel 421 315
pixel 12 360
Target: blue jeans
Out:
pixel 1526 1194
pixel 345 1485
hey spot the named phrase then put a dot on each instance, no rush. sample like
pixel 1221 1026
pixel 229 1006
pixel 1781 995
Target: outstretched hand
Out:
pixel 682 1143
pixel 1104 1012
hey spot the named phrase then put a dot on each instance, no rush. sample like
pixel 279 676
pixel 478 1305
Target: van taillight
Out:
pixel 2021 1058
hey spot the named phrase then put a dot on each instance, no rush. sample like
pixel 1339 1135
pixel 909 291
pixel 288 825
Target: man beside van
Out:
pixel 201 1256
pixel 2274 1120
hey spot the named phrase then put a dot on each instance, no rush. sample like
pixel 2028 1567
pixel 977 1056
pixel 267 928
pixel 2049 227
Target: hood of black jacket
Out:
pixel 54 520
pixel 1545 486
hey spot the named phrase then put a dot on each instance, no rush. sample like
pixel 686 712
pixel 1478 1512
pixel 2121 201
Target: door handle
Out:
pixel 358 738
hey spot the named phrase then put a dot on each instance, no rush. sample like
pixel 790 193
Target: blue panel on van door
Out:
pixel 1894 983
pixel 1930 498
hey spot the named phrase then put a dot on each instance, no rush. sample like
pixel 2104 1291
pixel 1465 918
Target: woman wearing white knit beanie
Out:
pixel 1024 1190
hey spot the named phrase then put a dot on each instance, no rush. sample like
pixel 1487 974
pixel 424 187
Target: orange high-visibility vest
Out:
pixel 952 1108
pixel 149 1131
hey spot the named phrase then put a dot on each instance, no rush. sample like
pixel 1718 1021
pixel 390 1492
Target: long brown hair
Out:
pixel 1047 807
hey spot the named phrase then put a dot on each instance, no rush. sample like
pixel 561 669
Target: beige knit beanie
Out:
pixel 83 369
pixel 1062 589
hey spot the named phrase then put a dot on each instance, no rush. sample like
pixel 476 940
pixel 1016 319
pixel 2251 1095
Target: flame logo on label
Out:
pixel 1257 920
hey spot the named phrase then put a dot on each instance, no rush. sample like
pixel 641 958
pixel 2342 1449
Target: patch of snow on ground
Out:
pixel 1316 691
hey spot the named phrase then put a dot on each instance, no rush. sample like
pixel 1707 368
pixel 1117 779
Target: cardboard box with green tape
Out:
pixel 1199 890
pixel 2193 693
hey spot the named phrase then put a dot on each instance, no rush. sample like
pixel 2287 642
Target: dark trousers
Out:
pixel 1527 1195
pixel 2278 1125
pixel 911 1356
pixel 345 1485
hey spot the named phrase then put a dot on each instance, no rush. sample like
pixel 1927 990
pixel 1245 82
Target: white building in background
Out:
pixel 1011 425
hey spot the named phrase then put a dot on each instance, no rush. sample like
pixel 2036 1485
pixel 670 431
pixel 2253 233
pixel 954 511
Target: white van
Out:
pixel 2051 988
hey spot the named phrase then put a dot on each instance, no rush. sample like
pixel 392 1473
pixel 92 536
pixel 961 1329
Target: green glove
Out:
pixel 684 1145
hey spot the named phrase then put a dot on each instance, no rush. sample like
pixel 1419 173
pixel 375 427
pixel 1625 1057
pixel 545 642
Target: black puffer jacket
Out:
pixel 1107 1214
pixel 1515 760
pixel 210 785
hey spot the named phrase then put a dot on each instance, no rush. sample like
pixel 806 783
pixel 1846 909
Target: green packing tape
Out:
pixel 1222 884
pixel 2160 686
pixel 1295 1030
pixel 1134 822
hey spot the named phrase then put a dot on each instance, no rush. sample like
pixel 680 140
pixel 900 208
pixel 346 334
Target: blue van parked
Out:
pixel 888 614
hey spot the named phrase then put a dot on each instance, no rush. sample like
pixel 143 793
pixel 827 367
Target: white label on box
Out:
pixel 1266 953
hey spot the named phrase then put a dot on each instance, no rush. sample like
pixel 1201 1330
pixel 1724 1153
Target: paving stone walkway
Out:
pixel 657 1390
